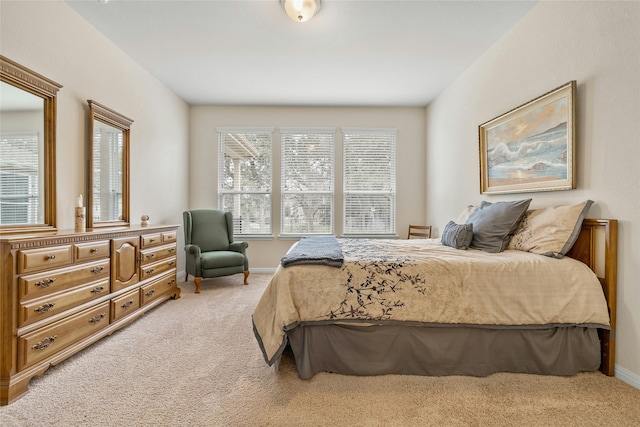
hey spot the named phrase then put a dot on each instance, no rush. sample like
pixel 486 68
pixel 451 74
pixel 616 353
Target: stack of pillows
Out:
pixel 494 227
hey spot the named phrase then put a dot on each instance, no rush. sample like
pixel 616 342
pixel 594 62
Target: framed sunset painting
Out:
pixel 531 148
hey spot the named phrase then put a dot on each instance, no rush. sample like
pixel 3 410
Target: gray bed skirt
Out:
pixel 439 351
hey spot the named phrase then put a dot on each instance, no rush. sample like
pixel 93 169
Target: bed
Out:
pixel 423 308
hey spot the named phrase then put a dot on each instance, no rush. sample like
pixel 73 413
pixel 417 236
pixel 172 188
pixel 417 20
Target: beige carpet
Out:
pixel 195 362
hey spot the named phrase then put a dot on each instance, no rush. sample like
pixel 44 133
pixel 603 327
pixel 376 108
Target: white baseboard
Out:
pixel 627 376
pixel 263 270
pixel 180 274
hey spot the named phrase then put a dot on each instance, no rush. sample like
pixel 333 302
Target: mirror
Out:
pixel 108 194
pixel 27 149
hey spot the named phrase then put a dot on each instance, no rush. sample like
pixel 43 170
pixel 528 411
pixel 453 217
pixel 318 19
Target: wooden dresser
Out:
pixel 63 291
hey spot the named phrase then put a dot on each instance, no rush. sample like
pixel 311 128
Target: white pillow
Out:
pixel 550 231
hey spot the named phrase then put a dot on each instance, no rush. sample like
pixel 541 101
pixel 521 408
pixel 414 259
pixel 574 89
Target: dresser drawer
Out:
pixel 169 237
pixel 41 284
pixel 157 288
pixel 156 268
pixel 34 310
pixel 91 250
pixel 39 259
pixel 151 240
pixel 47 341
pixel 156 254
pixel 125 304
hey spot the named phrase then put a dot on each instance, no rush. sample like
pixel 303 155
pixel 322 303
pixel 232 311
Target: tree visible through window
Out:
pixel 307 181
pixel 369 181
pixel 244 178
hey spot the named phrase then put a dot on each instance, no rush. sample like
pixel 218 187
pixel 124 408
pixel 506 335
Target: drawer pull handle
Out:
pixel 97 289
pixel 97 270
pixel 49 257
pixel 45 343
pixel 152 240
pixel 171 263
pixel 149 271
pixel 45 283
pixel 171 282
pixel 151 292
pixel 93 250
pixel 45 307
pixel 98 317
pixel 172 250
pixel 149 256
pixel 127 304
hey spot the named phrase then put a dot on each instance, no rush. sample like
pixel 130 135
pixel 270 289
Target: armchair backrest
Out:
pixel 210 229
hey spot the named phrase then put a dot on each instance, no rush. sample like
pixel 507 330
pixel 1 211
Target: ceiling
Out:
pixel 352 53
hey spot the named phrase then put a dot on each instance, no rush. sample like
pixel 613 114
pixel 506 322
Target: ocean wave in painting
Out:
pixel 539 157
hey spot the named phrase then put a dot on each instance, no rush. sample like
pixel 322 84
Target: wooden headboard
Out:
pixel 597 246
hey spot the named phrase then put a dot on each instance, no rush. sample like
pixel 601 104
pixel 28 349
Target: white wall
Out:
pixel 265 255
pixel 598 45
pixel 51 39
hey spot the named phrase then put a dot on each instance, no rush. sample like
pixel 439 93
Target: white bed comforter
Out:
pixel 423 281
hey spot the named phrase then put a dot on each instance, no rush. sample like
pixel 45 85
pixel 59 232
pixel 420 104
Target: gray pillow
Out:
pixel 457 236
pixel 494 223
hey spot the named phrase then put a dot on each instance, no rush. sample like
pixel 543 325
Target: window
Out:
pixel 369 181
pixel 244 178
pixel 307 181
pixel 20 199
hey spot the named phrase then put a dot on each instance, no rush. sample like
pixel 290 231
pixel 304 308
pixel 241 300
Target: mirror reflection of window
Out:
pixel 21 157
pixel 107 172
pixel 108 155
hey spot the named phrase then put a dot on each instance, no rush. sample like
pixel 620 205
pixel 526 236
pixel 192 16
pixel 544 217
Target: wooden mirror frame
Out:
pixel 112 118
pixel 23 78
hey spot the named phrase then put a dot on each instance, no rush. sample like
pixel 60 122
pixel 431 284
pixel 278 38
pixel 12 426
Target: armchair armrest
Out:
pixel 193 253
pixel 193 250
pixel 242 248
pixel 238 247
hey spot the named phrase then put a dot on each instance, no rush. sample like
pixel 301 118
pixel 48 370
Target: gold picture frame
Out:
pixel 532 147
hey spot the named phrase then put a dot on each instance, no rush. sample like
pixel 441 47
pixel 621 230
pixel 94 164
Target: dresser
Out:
pixel 60 292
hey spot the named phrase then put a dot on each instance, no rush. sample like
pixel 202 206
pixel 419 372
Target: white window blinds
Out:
pixel 369 181
pixel 244 178
pixel 307 181
pixel 107 176
pixel 20 198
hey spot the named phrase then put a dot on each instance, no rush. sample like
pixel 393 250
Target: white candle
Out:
pixel 80 201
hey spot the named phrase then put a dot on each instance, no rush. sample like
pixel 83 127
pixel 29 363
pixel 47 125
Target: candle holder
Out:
pixel 81 215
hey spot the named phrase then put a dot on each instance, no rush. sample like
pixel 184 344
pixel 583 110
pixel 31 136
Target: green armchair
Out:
pixel 209 246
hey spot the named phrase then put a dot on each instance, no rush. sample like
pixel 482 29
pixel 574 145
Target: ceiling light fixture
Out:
pixel 300 10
